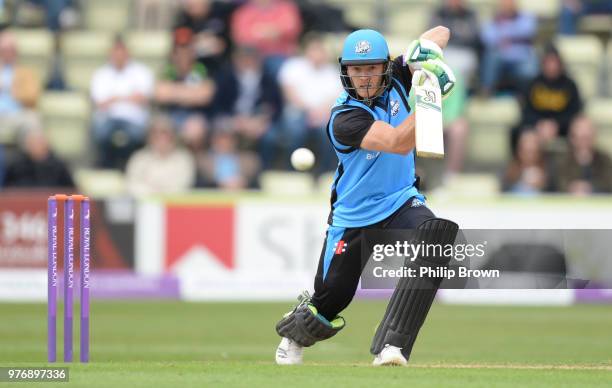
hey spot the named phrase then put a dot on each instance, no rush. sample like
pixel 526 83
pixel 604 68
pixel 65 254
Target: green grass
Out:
pixel 172 344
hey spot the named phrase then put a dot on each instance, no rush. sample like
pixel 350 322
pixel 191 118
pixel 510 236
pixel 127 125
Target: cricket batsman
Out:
pixel 372 131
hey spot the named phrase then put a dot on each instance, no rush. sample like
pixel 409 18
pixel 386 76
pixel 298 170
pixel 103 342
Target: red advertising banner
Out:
pixel 190 227
pixel 23 233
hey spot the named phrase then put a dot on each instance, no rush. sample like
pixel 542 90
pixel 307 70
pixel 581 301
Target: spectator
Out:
pixel 551 100
pixel 35 165
pixel 162 166
pixel 310 85
pixel 206 23
pixel 462 50
pixel 120 91
pixel 19 90
pixel 185 91
pixel 249 95
pixel 193 133
pixel 527 173
pixel 224 166
pixel 508 53
pixel 573 10
pixel 456 128
pixel 272 26
pixel 586 169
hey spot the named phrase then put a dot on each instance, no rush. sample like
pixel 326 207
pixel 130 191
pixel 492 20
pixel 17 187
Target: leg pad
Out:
pixel 413 297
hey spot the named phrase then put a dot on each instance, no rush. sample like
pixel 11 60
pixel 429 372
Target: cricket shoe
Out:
pixel 390 355
pixel 288 352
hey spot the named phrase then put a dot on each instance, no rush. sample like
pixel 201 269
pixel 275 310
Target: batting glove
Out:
pixel 421 50
pixel 443 75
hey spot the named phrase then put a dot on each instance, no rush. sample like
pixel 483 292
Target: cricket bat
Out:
pixel 428 110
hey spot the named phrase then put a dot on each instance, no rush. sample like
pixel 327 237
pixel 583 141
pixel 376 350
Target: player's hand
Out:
pixel 421 50
pixel 441 73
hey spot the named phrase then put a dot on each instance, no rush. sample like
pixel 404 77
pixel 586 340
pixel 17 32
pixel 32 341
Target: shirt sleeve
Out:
pixel 350 127
pixel 402 73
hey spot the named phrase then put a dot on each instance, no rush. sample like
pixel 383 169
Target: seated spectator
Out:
pixel 121 91
pixel 19 90
pixel 35 165
pixel 573 10
pixel 272 26
pixel 461 52
pixel 185 90
pixel 508 53
pixel 586 169
pixel 193 133
pixel 550 101
pixel 224 166
pixel 207 22
pixel 249 95
pixel 162 166
pixel 310 85
pixel 527 173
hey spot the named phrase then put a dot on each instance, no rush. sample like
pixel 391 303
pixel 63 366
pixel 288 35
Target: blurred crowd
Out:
pixel 249 81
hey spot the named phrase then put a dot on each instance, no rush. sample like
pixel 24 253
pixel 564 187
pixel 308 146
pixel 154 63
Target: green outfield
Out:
pixel 173 344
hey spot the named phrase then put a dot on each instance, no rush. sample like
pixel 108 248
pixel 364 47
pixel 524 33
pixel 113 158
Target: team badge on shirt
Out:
pixel 395 107
pixel 363 47
pixel 417 203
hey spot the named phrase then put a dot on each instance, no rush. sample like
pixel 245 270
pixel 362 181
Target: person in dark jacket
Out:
pixel 551 100
pixel 207 21
pixel 35 165
pixel 249 95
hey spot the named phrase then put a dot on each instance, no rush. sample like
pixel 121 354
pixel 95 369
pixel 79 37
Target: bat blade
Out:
pixel 429 127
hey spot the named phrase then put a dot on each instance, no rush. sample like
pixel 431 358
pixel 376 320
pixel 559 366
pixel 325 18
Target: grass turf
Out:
pixel 169 344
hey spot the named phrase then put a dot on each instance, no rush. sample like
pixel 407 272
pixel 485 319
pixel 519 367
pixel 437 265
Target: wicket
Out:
pixel 63 232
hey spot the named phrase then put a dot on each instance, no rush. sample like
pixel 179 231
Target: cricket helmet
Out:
pixel 364 47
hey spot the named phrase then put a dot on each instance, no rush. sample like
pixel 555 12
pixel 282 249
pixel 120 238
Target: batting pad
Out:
pixel 413 296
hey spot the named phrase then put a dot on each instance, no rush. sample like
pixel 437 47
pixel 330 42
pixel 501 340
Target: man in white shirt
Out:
pixel 310 85
pixel 121 91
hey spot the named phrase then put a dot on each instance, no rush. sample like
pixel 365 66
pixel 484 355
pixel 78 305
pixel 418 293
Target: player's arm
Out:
pixel 357 128
pixel 439 35
pixel 383 137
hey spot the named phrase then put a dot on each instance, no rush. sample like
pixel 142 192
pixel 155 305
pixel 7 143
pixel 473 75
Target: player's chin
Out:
pixel 365 93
